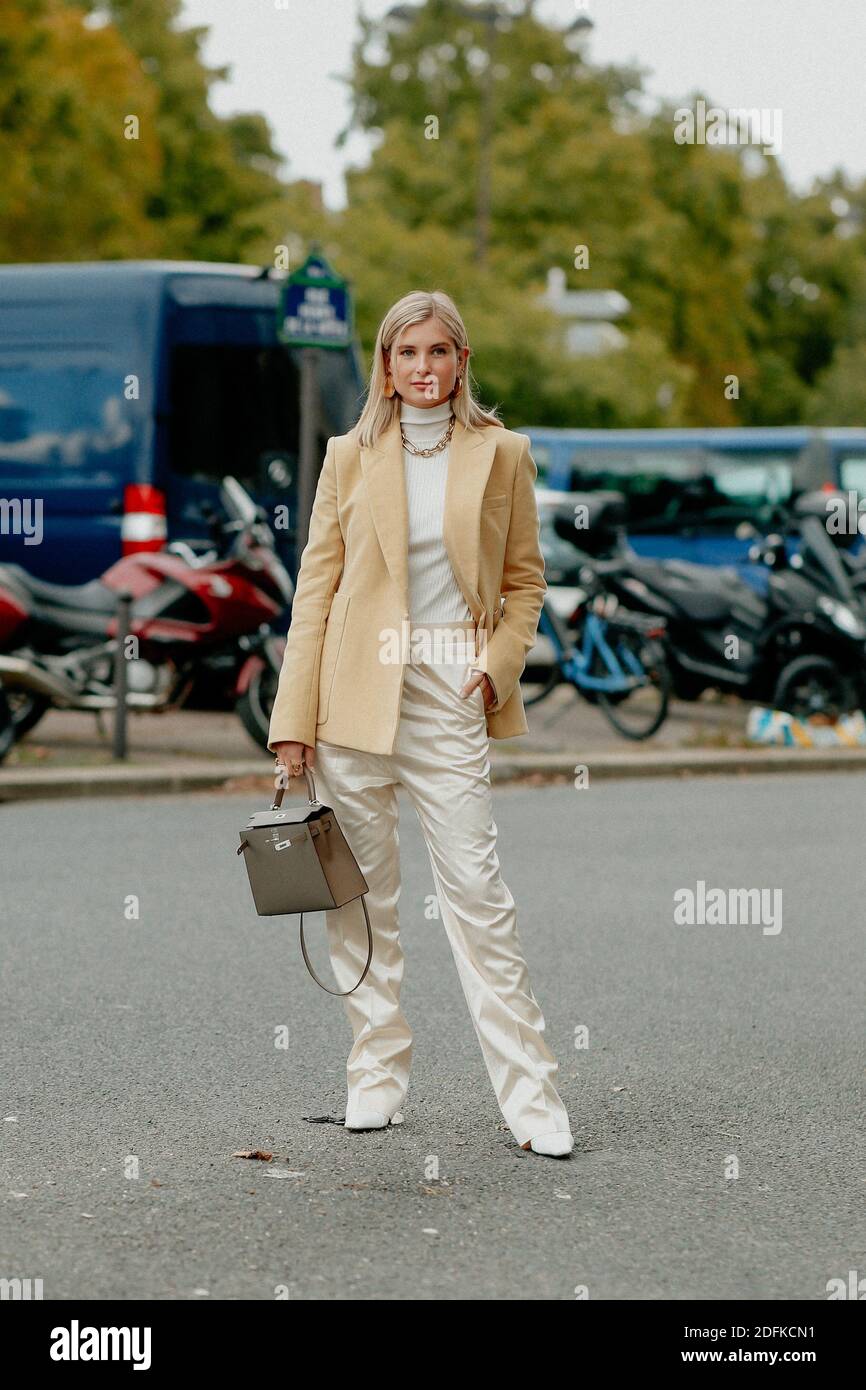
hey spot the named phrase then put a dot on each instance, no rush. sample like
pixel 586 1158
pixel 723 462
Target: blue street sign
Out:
pixel 315 307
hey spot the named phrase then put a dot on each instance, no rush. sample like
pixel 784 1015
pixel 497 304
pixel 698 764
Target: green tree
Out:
pixel 219 181
pixel 74 76
pixel 573 162
pixel 727 271
pixel 72 187
pixel 839 397
pixel 420 201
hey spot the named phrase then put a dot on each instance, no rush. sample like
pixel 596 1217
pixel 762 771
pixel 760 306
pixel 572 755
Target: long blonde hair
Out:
pixel 380 410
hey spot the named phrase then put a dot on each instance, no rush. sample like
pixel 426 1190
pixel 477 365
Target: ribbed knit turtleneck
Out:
pixel 434 594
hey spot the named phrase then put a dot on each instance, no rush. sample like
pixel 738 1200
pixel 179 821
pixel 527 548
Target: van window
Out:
pixel 651 481
pixel 752 484
pixel 69 414
pixel 852 474
pixel 234 409
pixel 668 489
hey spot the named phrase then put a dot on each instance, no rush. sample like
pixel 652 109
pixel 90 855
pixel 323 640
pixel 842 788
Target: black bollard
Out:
pixel 124 604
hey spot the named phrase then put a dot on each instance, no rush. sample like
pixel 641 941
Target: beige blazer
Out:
pixel 340 680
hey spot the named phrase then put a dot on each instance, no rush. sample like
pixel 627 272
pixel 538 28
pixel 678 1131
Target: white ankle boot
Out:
pixel 371 1119
pixel 555 1145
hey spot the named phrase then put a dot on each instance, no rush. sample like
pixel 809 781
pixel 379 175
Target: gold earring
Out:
pixel 458 386
pixel 389 386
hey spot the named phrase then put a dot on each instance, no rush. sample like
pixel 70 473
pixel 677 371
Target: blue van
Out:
pixel 128 389
pixel 688 489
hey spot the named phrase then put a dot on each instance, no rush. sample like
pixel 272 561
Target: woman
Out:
pixel 401 662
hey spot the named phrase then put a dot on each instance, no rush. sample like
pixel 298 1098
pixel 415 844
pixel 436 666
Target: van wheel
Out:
pixel 8 732
pixel 256 704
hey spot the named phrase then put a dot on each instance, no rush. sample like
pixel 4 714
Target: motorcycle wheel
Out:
pixel 814 685
pixel 639 713
pixel 688 687
pixel 8 733
pixel 254 707
pixel 27 710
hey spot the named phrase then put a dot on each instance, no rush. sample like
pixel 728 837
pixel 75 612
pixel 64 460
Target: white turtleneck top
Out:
pixel 434 594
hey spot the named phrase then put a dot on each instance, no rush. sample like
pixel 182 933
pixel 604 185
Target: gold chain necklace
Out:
pixel 436 448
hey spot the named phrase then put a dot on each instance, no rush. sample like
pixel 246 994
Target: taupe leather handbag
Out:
pixel 298 860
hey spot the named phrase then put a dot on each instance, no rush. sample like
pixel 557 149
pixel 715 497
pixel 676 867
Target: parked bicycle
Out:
pixel 613 658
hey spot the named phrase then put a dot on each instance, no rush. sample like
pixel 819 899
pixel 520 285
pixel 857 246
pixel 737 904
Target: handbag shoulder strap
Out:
pixel 341 993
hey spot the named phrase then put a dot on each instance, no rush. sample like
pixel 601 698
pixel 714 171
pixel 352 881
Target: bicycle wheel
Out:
pixel 537 684
pixel 538 680
pixel 639 712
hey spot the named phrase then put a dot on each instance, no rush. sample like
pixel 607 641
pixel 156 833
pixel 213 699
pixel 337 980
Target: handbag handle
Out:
pixel 311 791
pixel 341 993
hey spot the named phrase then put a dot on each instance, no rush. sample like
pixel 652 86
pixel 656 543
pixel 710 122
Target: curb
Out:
pixel 186 776
pixel 684 762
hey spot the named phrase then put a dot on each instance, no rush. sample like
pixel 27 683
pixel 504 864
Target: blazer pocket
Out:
pixel 497 499
pixel 330 651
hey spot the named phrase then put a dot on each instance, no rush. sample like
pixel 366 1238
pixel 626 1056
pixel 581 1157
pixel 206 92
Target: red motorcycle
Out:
pixel 58 643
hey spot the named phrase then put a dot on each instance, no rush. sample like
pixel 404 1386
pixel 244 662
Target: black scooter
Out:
pixel 801 647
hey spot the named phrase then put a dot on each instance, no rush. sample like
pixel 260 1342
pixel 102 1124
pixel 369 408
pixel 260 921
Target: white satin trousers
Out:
pixel 441 758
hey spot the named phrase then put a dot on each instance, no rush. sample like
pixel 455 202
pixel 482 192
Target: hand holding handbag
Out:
pixel 298 860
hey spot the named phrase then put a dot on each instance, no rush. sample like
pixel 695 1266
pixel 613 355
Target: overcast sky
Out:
pixel 806 59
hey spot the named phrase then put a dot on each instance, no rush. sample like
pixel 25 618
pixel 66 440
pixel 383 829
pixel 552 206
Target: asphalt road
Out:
pixel 139 1055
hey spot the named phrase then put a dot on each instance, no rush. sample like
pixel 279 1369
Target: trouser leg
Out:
pixel 448 779
pixel 377 1070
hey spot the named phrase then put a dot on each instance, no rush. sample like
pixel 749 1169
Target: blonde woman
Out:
pixel 417 599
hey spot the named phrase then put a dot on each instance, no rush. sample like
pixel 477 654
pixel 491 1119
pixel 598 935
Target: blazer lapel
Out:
pixel 470 458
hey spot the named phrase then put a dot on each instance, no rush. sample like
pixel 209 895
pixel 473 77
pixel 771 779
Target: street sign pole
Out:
pixel 308 463
pixel 315 312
